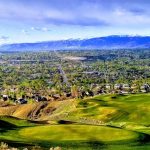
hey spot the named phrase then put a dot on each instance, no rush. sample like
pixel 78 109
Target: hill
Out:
pixel 108 42
pixel 102 122
pixel 106 108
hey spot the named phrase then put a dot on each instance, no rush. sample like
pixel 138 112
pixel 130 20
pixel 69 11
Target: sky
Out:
pixel 44 20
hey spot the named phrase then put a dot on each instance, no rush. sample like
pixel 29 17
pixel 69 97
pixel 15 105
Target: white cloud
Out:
pixel 43 29
pixel 4 38
pixel 25 32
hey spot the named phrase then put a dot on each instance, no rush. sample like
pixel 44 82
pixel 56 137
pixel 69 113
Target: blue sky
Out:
pixel 44 20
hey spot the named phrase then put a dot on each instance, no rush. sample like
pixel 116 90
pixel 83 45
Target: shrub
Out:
pixel 36 148
pixel 55 148
pixel 3 146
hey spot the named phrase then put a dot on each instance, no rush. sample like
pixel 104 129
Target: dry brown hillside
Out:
pixel 26 111
pixel 34 111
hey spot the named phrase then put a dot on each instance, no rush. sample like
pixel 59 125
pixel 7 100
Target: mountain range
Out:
pixel 107 42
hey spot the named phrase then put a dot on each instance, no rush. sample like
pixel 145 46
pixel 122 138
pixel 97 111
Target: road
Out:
pixel 65 79
pixel 62 72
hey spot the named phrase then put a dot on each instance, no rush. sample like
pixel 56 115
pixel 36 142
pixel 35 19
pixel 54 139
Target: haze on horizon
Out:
pixel 44 20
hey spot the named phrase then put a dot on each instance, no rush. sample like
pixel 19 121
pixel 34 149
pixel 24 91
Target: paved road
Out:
pixel 65 79
pixel 62 72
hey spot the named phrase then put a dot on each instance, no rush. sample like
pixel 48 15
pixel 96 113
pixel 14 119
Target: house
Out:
pixel 126 86
pixel 117 86
pixel 39 98
pixel 124 92
pixel 56 96
pixel 134 86
pixel 145 88
pixel 21 101
pixel 5 97
pixel 143 91
pixel 107 86
pixel 100 91
pixel 91 93
pixel 67 94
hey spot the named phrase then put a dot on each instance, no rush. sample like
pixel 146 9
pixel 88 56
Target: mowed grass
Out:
pixel 69 136
pixel 77 132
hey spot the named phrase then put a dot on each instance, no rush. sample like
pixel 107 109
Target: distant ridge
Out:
pixel 108 42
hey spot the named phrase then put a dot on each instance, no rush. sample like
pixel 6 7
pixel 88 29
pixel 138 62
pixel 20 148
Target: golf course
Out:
pixel 106 122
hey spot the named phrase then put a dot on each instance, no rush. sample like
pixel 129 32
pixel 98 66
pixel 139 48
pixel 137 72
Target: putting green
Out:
pixel 76 132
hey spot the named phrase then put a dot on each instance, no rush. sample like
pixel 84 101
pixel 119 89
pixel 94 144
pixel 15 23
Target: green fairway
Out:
pixel 133 108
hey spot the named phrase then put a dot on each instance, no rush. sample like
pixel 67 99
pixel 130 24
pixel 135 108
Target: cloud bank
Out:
pixel 77 12
pixel 4 38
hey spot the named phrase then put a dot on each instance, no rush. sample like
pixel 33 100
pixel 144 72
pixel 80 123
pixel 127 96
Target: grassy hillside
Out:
pixel 107 109
pixel 102 122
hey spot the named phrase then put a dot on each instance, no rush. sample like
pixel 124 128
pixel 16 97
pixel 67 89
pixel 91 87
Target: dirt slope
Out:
pixel 27 111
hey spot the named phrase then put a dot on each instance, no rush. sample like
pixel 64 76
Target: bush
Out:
pixel 3 146
pixel 55 148
pixel 36 148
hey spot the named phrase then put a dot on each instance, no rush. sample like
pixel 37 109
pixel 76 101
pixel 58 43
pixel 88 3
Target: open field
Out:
pixel 101 122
